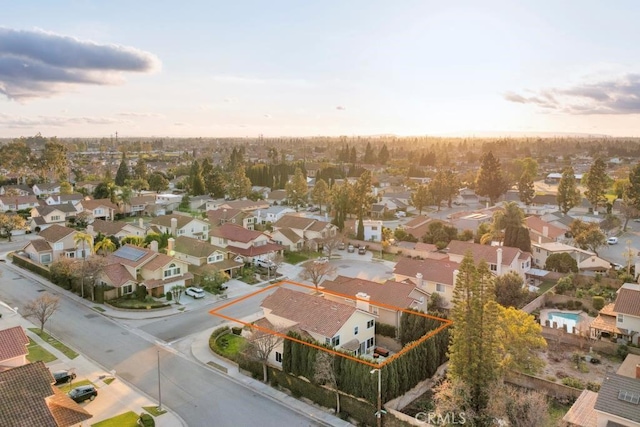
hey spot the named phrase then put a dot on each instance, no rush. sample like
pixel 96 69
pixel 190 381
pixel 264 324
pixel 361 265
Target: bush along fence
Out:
pixel 31 266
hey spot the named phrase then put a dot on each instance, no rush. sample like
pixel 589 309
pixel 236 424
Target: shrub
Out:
pixel 386 330
pixel 597 302
pixel 561 375
pixel 593 386
pixel 146 420
pixel 168 296
pixel 570 305
pixel 622 351
pixel 578 304
pixel 573 382
pixel 141 292
pixel 236 330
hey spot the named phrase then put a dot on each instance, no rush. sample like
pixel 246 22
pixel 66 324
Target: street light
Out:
pixel 159 390
pixel 379 412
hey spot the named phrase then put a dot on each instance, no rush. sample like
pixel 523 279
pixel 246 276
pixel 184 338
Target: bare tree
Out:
pixel 325 374
pixel 331 243
pixel 261 345
pixel 42 308
pixel 315 271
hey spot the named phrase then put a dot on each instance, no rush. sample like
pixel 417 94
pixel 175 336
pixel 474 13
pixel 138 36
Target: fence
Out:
pixel 555 390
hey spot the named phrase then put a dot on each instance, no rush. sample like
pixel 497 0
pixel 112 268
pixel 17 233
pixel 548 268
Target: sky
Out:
pixel 208 68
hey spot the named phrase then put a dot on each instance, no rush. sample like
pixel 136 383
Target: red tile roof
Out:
pixel 117 274
pixel 485 252
pixel 235 233
pixel 41 245
pixel 93 204
pixel 390 293
pixel 432 270
pixel 256 250
pixel 55 233
pixel 13 343
pixel 312 313
pixel 536 224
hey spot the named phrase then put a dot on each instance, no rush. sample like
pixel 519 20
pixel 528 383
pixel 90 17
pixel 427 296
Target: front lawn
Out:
pixel 37 353
pixel 128 419
pixel 55 343
pixel 227 345
pixel 295 257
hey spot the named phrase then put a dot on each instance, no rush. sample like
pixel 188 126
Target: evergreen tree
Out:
pixel 140 170
pixel 490 181
pixel 239 185
pixel 341 196
pixel 632 190
pixel 353 156
pixel 568 194
pixel 369 157
pixel 526 190
pixel 421 197
pixel 196 181
pixel 383 155
pixel 297 189
pixel 123 175
pixel 215 182
pixel 320 193
pixel 362 200
pixel 597 182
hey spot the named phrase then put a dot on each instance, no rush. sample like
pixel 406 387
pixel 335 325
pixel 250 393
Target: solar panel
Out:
pixel 627 396
pixel 130 253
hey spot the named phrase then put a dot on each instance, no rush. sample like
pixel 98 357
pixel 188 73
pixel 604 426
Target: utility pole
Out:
pixel 379 412
pixel 159 390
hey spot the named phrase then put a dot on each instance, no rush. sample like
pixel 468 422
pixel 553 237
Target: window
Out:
pixel 327 341
pixel 439 287
pixel 335 341
pixel 180 231
pixel 370 323
pixel 173 270
pixel 620 318
pixel 355 331
pixel 45 258
pixel 493 267
pixel 58 246
pixel 127 289
pixel 55 218
pixel 374 309
pixel 374 228
pixel 370 343
pixel 98 211
pixel 278 357
pixel 538 250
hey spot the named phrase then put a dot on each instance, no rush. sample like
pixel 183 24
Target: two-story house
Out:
pixel 203 257
pixel 99 208
pixel 42 217
pixel 17 203
pixel 627 307
pixel 383 300
pixel 118 229
pixel 541 231
pixel 542 251
pixel 45 189
pixel 18 190
pixel 272 214
pixel 501 259
pixel 372 230
pixel 181 225
pixel 233 216
pixel 341 326
pixel 429 275
pixel 55 242
pixel 131 266
pixel 277 197
pixel 59 199
pixel 310 230
pixel 244 205
pixel 249 244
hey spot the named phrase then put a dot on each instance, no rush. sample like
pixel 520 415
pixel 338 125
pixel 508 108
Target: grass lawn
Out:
pixel 228 345
pixel 556 412
pixel 546 285
pixel 136 304
pixel 108 381
pixel 54 342
pixel 37 353
pixel 128 419
pixel 153 410
pixel 295 257
pixel 386 256
pixel 98 308
pixel 73 384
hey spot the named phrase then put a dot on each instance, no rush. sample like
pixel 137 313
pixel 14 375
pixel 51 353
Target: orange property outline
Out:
pixel 445 324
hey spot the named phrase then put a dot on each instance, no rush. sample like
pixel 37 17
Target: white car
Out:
pixel 401 214
pixel 612 241
pixel 321 260
pixel 196 293
pixel 264 263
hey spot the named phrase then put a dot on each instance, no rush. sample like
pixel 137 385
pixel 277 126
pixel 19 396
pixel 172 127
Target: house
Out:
pixel 43 217
pixel 542 251
pixel 131 266
pixel 233 216
pixel 272 214
pixel 29 398
pixel 288 238
pixel 118 229
pixel 143 205
pixel 277 197
pixel 379 210
pixel 345 327
pixel 604 325
pixel 419 225
pixel 372 230
pixel 199 203
pixel 245 205
pixel 168 201
pixel 45 189
pixel 627 307
pixel 13 348
pixel 419 250
pixel 501 259
pixel 88 186
pixel 59 199
pixel 203 256
pixel 99 208
pixel 262 191
pixel 467 196
pixel 429 275
pixel 249 244
pixel 19 190
pixel 544 232
pixel 181 225
pixel 311 230
pixel 56 242
pixel 391 294
pixel 17 203
pixel 471 221
pixel 594 264
pixel 396 200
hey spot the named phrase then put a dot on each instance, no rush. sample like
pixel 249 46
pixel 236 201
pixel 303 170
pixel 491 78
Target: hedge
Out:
pixel 386 330
pixel 31 266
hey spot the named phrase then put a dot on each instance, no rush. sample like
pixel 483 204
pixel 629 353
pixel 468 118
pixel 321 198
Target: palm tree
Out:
pixel 105 245
pixel 125 197
pixel 84 239
pixel 509 217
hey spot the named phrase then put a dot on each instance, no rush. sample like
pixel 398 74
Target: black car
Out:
pixel 82 393
pixel 63 377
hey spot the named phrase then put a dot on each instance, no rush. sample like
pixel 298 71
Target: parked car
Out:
pixel 196 293
pixel 612 241
pixel 264 263
pixel 322 260
pixel 400 214
pixel 63 377
pixel 362 250
pixel 351 249
pixel 341 246
pixel 82 393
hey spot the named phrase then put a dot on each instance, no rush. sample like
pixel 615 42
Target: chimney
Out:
pixel 154 246
pixel 140 222
pixel 174 226
pixel 499 261
pixel 362 301
pixel 545 231
pixel 171 243
pixel 539 240
pixel 638 372
pixel 419 280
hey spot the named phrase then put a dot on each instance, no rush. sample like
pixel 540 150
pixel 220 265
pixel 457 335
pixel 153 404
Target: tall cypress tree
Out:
pixel 123 175
pixel 568 194
pixel 490 181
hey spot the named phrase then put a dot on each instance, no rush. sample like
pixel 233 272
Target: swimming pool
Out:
pixel 561 319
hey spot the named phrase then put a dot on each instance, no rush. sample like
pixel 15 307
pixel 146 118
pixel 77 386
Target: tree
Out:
pixel 66 188
pixel 133 240
pixel 320 193
pixel 473 349
pixel 297 189
pixel 315 271
pixel 632 191
pixel 325 374
pixel 362 200
pixel 383 155
pixel 522 408
pixel 196 180
pixel 568 194
pixel 341 196
pixel 587 235
pixel 10 222
pixel 84 240
pixel 54 159
pixel 421 197
pixel 526 190
pixel 239 185
pixel 519 337
pixel 440 234
pixel 157 182
pixel 122 175
pixel 185 203
pixel 177 292
pixel 104 246
pixel 261 345
pixel 444 186
pixel 562 263
pixel 597 182
pixel 330 244
pixel 140 169
pixel 509 290
pixel 369 157
pixel 490 182
pixel 215 182
pixel 42 308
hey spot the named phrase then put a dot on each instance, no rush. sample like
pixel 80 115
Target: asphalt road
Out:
pixel 200 396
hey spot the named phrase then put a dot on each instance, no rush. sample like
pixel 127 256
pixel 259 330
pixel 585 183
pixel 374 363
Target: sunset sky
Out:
pixel 243 68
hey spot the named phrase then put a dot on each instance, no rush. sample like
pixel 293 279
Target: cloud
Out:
pixel 12 121
pixel 39 64
pixel 616 95
pixel 267 116
pixel 341 107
